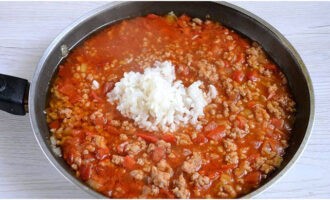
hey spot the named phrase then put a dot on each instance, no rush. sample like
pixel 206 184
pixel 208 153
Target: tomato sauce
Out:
pixel 245 129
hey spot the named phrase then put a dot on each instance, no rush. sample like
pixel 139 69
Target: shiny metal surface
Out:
pixel 274 43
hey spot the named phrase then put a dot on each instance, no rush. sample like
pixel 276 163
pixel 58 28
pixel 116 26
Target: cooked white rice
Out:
pixel 158 102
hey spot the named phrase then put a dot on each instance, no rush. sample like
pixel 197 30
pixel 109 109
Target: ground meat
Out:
pixel 180 189
pixel 164 145
pixel 123 137
pixel 287 103
pixel 232 92
pixel 266 168
pixel 140 161
pixel 260 113
pixel 225 188
pixel 66 112
pixel 118 160
pixel 192 164
pixel 259 162
pixel 159 178
pixel 234 108
pixel 274 108
pixel 154 190
pixel 115 123
pixel 137 174
pixel 232 157
pixel 272 90
pixel 122 146
pixel 237 132
pixel 207 71
pixel 135 147
pixel 201 181
pixel 165 167
pixel 151 147
pixel 146 191
pixel 243 169
pixel 256 56
pixel 230 190
pixel 229 145
pixel 183 139
pixel 225 109
pixel 100 141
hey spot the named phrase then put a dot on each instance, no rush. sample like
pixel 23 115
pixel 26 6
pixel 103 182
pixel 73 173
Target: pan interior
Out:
pixel 278 49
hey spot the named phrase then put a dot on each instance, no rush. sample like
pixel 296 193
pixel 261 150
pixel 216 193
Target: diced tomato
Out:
pixel 147 137
pixel 64 72
pixel 270 66
pixel 275 146
pixel 85 171
pixel 69 154
pixel 152 16
pixel 79 135
pixel 200 139
pixel 213 174
pixel 94 95
pixel 99 121
pixel 169 138
pixel 158 154
pixel 108 86
pixel 252 75
pixel 227 167
pixel 76 132
pixel 244 43
pixel 88 156
pixel 241 121
pixel 54 124
pixel 129 163
pixel 69 90
pixel 102 153
pixel 238 76
pixel 217 133
pixel 226 63
pixel 253 178
pixel 168 194
pixel 278 123
pixel 241 58
pixel 112 130
pixel 251 104
pixel 101 170
pixel 89 133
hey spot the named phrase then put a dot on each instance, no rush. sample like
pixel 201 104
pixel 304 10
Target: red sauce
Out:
pixel 245 129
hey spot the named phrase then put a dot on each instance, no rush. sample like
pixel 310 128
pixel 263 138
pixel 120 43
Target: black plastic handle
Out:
pixel 13 94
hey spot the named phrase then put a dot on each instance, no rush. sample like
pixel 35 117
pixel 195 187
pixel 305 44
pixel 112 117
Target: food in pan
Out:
pixel 170 107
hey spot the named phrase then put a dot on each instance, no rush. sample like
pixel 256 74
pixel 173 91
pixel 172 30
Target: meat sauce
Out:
pixel 245 129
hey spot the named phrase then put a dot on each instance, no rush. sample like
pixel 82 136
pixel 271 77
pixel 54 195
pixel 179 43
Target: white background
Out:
pixel 26 29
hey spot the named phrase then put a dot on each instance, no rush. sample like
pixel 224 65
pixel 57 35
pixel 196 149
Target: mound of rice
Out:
pixel 158 102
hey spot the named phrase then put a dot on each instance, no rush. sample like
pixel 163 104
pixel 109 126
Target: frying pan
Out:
pixel 19 97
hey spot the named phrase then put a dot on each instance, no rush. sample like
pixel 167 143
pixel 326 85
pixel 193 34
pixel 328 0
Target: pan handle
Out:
pixel 14 93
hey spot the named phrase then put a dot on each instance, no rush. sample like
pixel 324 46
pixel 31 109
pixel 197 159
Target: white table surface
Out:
pixel 27 28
